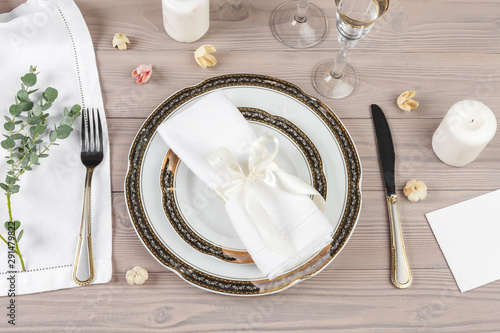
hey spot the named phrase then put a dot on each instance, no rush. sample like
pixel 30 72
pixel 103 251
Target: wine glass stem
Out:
pixel 340 60
pixel 302 6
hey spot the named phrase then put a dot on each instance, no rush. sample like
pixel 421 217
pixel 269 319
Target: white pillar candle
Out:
pixel 464 132
pixel 186 20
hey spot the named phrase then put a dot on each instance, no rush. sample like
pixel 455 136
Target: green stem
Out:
pixel 13 249
pixel 17 251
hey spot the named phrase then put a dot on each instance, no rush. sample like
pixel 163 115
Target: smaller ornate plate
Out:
pixel 213 234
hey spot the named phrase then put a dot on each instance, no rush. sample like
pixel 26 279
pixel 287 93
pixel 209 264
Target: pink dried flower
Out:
pixel 143 73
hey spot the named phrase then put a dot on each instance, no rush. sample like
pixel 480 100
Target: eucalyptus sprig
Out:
pixel 27 142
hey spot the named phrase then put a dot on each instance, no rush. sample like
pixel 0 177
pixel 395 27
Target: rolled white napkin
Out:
pixel 52 35
pixel 214 122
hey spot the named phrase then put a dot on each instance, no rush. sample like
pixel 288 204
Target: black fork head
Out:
pixel 91 137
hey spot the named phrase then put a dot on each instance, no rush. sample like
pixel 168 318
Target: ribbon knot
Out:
pixel 261 166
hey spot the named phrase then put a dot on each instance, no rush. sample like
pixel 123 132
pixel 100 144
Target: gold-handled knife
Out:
pixel 400 269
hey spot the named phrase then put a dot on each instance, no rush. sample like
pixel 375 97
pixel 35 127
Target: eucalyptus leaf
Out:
pixel 39 129
pixel 16 136
pixel 12 226
pixel 26 106
pixel 8 144
pixel 9 126
pixel 21 233
pixel 23 96
pixel 15 110
pixel 37 110
pixel 34 158
pixel 33 120
pixel 76 109
pixel 53 135
pixel 29 79
pixel 67 120
pixel 10 180
pixel 46 106
pixel 64 131
pixel 50 94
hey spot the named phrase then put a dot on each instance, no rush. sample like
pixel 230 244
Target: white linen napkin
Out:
pixel 52 35
pixel 469 236
pixel 214 122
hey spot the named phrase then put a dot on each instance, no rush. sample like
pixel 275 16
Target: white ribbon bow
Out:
pixel 266 170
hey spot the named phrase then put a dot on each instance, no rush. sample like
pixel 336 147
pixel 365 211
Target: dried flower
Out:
pixel 136 275
pixel 143 73
pixel 203 57
pixel 121 41
pixel 405 101
pixel 415 190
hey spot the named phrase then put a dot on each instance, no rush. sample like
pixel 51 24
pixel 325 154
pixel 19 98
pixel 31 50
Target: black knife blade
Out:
pixel 385 145
pixel 400 269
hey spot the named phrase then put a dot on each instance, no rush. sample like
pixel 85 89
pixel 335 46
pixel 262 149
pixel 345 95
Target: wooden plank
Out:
pixel 408 26
pixel 440 80
pixel 344 300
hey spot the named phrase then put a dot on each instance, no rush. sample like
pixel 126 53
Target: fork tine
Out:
pixel 83 134
pixel 99 134
pixel 93 133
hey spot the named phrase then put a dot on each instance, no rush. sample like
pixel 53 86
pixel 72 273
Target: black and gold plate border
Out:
pixel 208 281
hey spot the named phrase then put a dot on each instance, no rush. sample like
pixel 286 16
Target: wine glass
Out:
pixel 299 24
pixel 355 18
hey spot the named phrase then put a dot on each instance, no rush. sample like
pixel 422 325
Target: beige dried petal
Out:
pixel 415 190
pixel 405 102
pixel 210 60
pixel 203 57
pixel 413 104
pixel 121 41
pixel 136 275
pixel 202 62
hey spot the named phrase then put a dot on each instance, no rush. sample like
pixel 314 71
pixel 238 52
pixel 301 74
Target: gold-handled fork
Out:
pixel 91 156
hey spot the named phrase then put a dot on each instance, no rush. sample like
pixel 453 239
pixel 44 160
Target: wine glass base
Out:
pixel 297 34
pixel 331 87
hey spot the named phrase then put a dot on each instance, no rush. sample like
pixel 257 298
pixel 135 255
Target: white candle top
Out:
pixel 472 122
pixel 185 6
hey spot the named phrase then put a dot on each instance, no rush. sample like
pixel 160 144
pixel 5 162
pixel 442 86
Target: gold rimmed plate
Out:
pixel 190 206
pixel 341 168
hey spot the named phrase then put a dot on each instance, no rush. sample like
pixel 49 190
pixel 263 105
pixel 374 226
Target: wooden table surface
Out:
pixel 446 50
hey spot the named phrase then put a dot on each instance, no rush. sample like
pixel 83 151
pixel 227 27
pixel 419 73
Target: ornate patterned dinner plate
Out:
pixel 341 168
pixel 210 233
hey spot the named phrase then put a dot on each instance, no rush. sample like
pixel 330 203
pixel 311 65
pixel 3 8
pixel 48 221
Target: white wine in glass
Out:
pixel 355 18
